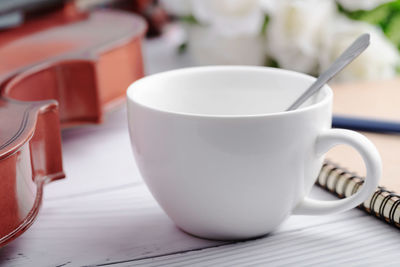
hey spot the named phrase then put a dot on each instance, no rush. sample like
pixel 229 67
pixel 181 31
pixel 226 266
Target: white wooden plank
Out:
pixel 118 225
pixel 356 241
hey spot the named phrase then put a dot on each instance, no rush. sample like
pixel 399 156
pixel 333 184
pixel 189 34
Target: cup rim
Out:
pixel 327 98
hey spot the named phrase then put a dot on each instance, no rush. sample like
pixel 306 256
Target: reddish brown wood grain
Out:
pixel 63 69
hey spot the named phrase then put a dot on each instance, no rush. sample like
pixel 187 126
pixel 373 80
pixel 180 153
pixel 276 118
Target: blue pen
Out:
pixel 365 124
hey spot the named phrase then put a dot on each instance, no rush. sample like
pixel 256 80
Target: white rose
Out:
pixel 177 7
pixel 378 61
pixel 269 6
pixel 294 32
pixel 229 17
pixel 361 4
pixel 229 32
pixel 209 47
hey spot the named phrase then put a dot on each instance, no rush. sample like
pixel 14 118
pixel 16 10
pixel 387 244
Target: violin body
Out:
pixel 61 70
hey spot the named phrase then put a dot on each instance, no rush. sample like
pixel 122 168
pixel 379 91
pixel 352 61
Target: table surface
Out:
pixel 102 213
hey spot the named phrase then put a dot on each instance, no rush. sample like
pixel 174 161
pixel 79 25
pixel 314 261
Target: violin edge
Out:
pixel 34 211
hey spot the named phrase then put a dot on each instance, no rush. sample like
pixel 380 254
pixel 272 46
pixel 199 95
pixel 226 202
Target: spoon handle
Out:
pixel 356 48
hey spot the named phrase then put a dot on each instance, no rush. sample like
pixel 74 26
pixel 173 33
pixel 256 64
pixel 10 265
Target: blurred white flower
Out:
pixel 361 4
pixel 294 32
pixel 378 61
pixel 229 32
pixel 229 17
pixel 209 47
pixel 178 7
pixel 269 6
pixel 302 35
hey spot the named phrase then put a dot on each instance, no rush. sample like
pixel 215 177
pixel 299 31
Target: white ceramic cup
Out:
pixel 224 160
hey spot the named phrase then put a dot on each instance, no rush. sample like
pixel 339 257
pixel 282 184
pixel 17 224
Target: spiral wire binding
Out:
pixel 383 204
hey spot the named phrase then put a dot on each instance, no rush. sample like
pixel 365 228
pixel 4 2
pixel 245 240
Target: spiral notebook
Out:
pixel 383 204
pixel 343 173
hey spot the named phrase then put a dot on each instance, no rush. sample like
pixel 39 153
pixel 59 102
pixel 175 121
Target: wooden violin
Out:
pixel 61 69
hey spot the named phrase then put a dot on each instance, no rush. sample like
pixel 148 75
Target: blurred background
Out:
pixel 301 35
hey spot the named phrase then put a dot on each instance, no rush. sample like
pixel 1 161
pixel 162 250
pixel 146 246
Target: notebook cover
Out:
pixel 343 173
pixel 378 100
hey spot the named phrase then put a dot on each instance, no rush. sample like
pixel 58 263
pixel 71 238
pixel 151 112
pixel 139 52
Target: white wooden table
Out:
pixel 102 214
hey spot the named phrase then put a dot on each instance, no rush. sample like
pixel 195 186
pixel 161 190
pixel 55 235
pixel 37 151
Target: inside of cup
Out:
pixel 224 91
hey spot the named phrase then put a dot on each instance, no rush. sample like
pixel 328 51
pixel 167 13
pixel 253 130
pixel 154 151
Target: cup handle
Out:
pixel 373 165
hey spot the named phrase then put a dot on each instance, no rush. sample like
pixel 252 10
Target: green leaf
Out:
pixel 265 25
pixel 377 16
pixel 182 48
pixel 380 16
pixel 271 62
pixel 385 16
pixel 392 30
pixel 190 19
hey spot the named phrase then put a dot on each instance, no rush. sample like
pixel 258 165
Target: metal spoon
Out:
pixel 353 51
